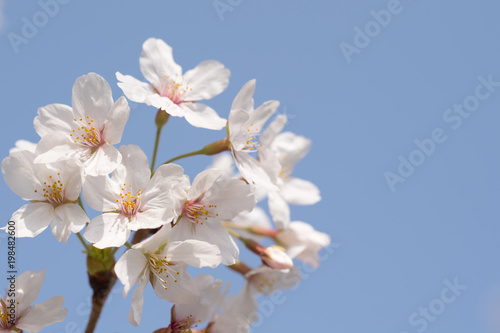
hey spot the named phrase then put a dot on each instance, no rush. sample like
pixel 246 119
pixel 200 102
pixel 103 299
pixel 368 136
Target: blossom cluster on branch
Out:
pixel 167 222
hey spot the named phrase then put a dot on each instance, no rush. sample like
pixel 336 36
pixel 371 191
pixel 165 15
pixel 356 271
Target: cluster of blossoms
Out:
pixel 182 223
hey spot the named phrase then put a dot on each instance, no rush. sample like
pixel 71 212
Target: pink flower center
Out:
pixel 173 88
pixel 163 269
pixel 129 204
pixel 86 133
pixel 197 212
pixel 184 325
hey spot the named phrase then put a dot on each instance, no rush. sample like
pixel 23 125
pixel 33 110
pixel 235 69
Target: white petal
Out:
pixel 201 115
pixel 19 174
pixel 291 146
pixel 32 219
pixel 92 97
pixel 279 209
pixel 194 253
pixel 237 125
pixel 43 314
pixel 231 197
pixel 259 117
pixel 54 118
pixel 28 286
pixel 300 192
pixel 157 60
pixel 68 218
pixel 116 120
pixel 273 129
pixel 100 193
pixel 107 230
pixel 149 219
pixel 134 89
pixel 159 239
pixel 103 161
pixel 134 315
pixel 23 145
pixel 203 182
pixel 129 268
pixel 56 147
pixel 184 291
pixel 134 169
pixel 244 99
pixel 206 80
pixel 252 171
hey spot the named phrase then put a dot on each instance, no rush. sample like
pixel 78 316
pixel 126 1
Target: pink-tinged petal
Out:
pixel 134 315
pixel 100 193
pixel 32 219
pixel 92 97
pixel 54 118
pixel 43 314
pixel 238 129
pixel 252 171
pixel 206 80
pixel 279 209
pixel 184 291
pixel 130 268
pixel 194 253
pixel 165 104
pixel 149 219
pixel 134 89
pixel 200 115
pixel 56 147
pixel 203 182
pixel 114 124
pixel 232 197
pixel 28 286
pixel 23 145
pixel 157 60
pixel 107 230
pixel 300 192
pixel 134 169
pixel 19 174
pixel 262 114
pixel 103 161
pixel 244 99
pixel 68 218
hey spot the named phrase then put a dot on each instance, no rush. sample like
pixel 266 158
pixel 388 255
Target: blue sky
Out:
pixel 401 248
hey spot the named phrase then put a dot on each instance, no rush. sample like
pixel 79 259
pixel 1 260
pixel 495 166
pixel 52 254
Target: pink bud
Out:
pixel 276 257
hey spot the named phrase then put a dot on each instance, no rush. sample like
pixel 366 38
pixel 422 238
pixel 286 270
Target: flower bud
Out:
pixel 275 257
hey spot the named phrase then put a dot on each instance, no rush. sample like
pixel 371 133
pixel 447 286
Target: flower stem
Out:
pixel 198 152
pixel 85 245
pixel 160 120
pixel 210 149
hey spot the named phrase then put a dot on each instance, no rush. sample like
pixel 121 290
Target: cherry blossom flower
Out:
pixel 203 206
pixel 287 149
pixel 302 235
pixel 184 317
pixel 130 200
pixel 53 191
pixel 26 317
pixel 86 132
pixel 173 92
pixel 237 314
pixel 164 263
pixel 245 126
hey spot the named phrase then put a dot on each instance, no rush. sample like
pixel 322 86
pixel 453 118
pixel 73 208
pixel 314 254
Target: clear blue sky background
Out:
pixel 397 248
